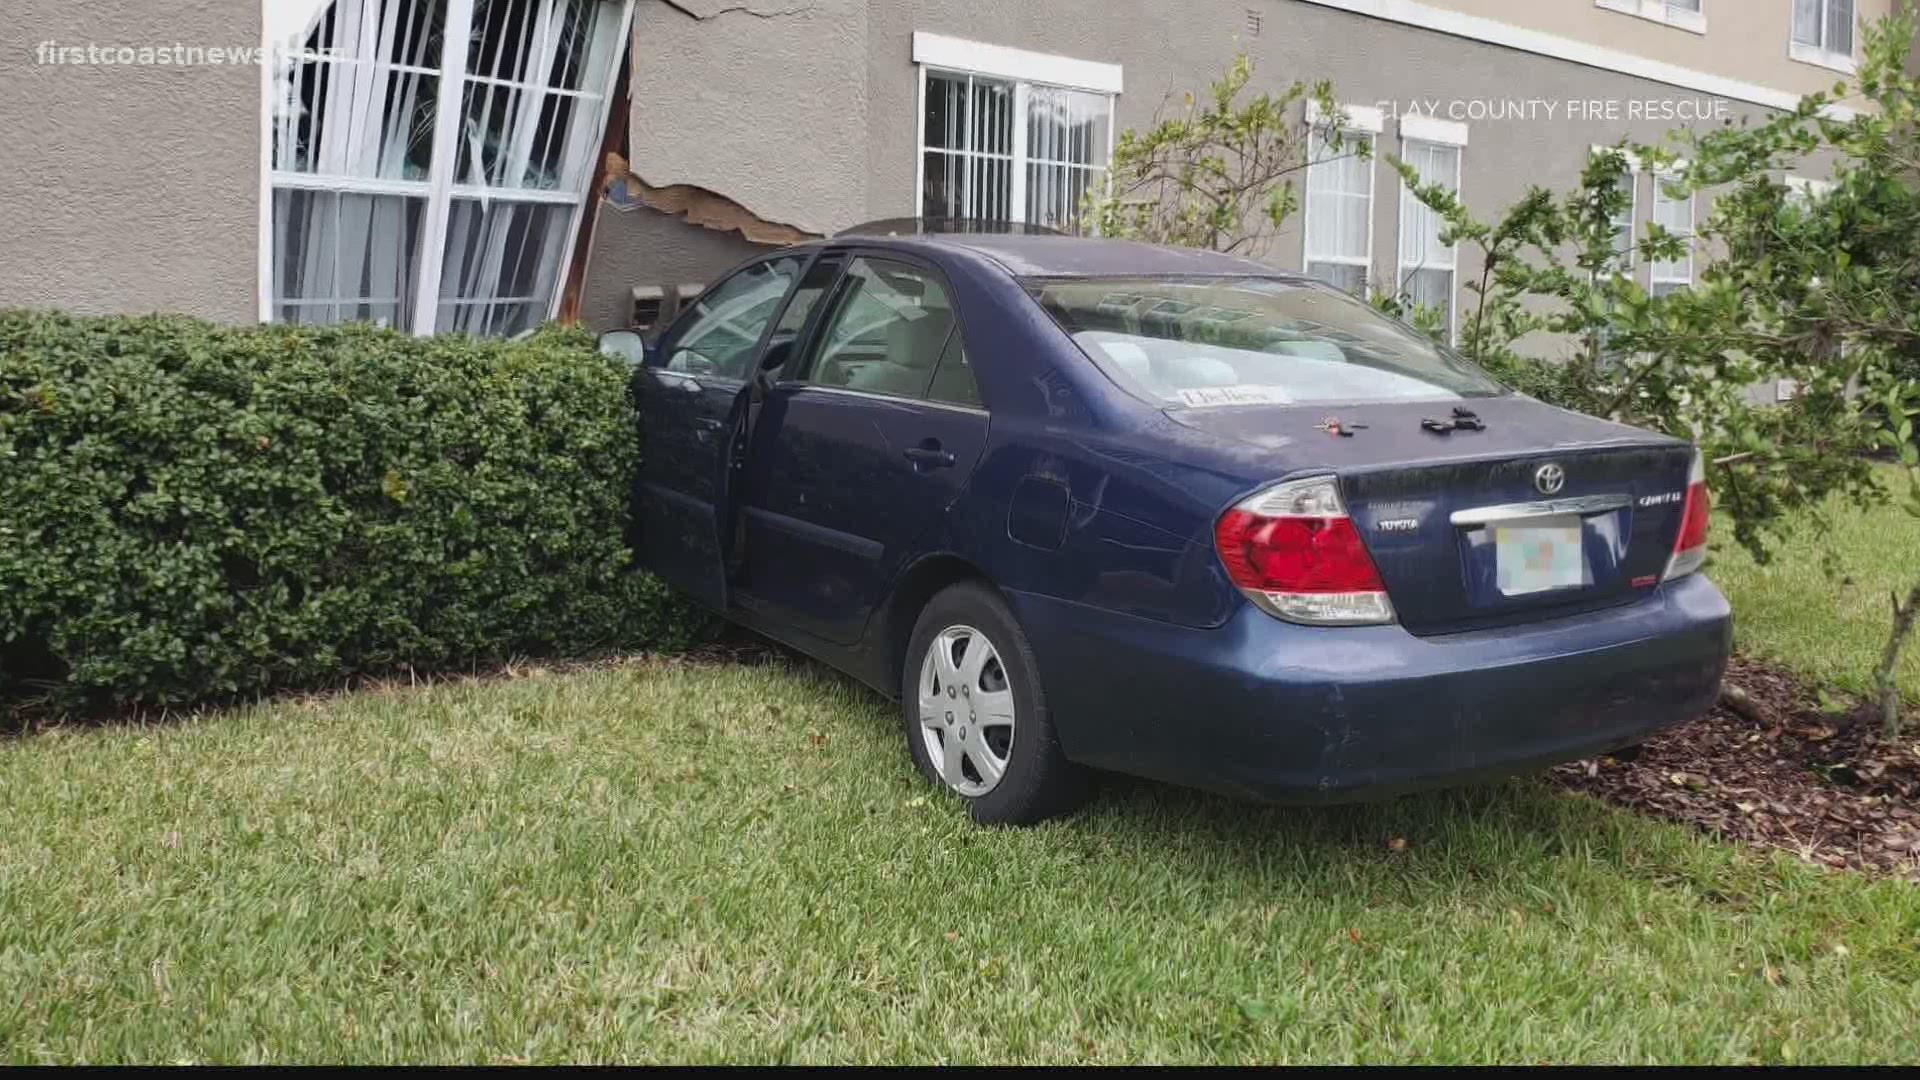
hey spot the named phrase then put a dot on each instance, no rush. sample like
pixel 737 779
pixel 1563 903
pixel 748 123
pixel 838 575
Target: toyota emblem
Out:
pixel 1550 479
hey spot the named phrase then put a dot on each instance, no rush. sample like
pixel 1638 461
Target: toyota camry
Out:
pixel 1086 505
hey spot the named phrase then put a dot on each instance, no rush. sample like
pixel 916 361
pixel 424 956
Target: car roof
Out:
pixel 1077 256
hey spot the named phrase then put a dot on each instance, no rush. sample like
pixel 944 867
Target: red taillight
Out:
pixel 1302 555
pixel 1295 553
pixel 1693 530
pixel 1690 547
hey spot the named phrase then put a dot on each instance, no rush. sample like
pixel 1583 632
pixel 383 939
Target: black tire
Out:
pixel 1038 782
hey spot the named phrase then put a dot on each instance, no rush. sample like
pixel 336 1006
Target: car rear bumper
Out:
pixel 1271 710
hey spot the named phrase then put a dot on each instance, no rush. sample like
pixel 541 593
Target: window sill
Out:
pixel 1360 119
pixel 1818 57
pixel 1693 22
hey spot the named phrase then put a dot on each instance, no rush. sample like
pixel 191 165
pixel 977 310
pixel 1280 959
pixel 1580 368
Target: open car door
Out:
pixel 692 395
pixel 699 393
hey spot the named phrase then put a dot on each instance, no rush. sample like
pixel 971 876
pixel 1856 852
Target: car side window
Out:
pixel 725 326
pixel 953 380
pixel 886 331
pixel 806 298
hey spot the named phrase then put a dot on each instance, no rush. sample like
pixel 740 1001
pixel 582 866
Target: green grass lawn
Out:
pixel 1831 628
pixel 727 863
pixel 724 863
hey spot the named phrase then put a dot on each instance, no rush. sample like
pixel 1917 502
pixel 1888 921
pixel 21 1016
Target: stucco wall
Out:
pixel 129 189
pixel 695 122
pixel 1165 52
pixel 763 100
pixel 646 247
pixel 1745 39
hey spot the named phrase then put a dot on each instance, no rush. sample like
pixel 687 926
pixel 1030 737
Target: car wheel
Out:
pixel 976 716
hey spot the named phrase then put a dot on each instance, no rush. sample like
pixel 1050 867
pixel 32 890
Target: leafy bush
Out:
pixel 1812 287
pixel 1217 171
pixel 191 512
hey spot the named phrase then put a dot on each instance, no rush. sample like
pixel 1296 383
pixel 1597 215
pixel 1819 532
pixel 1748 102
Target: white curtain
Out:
pixel 1339 212
pixel 1427 266
pixel 1806 22
pixel 345 257
pixel 1839 26
pixel 1420 226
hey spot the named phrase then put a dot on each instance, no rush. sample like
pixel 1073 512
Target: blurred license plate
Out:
pixel 1539 556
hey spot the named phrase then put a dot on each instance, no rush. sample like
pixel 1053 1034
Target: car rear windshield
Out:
pixel 1252 341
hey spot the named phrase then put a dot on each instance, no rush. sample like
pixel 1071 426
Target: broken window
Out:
pixel 430 158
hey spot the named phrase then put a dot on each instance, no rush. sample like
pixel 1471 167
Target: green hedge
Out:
pixel 191 512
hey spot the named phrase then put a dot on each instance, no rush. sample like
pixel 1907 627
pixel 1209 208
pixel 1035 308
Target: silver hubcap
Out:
pixel 966 710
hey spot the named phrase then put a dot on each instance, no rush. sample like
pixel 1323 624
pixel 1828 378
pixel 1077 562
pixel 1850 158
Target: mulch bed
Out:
pixel 1771 767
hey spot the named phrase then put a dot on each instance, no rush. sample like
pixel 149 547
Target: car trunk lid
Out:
pixel 1518 511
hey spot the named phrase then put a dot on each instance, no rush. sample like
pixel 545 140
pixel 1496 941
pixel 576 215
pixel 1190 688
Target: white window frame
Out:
pixel 1665 176
pixel 1822 55
pixel 1025 69
pixel 1631 259
pixel 1434 132
pixel 439 190
pixel 1360 120
pixel 1660 11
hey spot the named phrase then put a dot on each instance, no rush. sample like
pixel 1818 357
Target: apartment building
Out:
pixel 373 169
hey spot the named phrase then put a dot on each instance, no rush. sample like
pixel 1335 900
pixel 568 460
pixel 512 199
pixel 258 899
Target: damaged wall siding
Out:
pixel 762 101
pixel 128 189
pixel 710 211
pixel 643 246
pixel 697 205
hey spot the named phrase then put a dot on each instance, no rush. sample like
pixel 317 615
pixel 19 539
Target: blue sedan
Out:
pixel 1088 505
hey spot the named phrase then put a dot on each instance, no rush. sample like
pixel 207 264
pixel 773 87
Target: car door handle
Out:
pixel 706 428
pixel 929 457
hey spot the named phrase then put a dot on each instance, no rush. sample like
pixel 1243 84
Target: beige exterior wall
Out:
pixel 129 189
pixel 136 189
pixel 1744 39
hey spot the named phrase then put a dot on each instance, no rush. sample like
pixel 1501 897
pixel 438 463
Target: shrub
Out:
pixel 1217 171
pixel 191 512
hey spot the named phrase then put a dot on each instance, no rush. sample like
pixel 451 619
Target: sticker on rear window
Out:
pixel 1235 395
